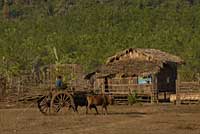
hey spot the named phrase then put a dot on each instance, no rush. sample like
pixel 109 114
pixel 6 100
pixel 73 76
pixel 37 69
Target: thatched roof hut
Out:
pixel 128 66
pixel 136 61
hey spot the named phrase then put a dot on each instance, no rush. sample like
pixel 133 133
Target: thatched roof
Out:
pixel 129 68
pixel 146 55
pixel 135 62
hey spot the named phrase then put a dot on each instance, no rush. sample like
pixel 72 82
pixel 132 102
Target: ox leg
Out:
pixel 102 110
pixel 96 109
pixel 106 110
pixel 76 108
pixel 87 109
pixel 105 107
pixel 70 108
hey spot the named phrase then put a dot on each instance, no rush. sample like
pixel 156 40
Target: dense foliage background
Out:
pixel 88 31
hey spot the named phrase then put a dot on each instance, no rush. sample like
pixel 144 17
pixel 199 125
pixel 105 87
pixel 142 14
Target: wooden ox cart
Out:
pixel 61 100
pixel 57 101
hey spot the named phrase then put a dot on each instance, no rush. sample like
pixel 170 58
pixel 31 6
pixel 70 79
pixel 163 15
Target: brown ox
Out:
pixel 99 100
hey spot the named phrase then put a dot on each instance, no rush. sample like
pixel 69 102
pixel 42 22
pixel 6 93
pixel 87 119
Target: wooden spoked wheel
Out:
pixel 44 105
pixel 61 103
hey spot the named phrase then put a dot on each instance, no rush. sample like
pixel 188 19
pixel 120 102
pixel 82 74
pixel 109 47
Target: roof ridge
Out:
pixel 150 54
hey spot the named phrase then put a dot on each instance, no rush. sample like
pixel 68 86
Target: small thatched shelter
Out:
pixel 147 71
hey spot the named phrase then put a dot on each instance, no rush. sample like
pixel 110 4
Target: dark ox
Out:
pixel 99 100
pixel 80 100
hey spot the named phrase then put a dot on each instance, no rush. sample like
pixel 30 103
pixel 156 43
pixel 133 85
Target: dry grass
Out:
pixel 136 119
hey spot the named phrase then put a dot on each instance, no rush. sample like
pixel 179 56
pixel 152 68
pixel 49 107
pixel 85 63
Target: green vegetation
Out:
pixel 132 98
pixel 89 31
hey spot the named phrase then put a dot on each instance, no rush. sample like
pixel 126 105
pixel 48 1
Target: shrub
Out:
pixel 132 98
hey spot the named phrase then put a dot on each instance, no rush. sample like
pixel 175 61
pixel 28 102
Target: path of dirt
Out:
pixel 137 119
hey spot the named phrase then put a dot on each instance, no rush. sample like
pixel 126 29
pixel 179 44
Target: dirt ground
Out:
pixel 122 119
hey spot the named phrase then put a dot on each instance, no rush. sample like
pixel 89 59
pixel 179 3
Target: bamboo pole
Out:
pixel 178 89
pixel 154 93
pixel 50 77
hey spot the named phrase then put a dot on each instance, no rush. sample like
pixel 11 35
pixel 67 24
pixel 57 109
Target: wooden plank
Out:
pixel 134 85
pixel 189 87
pixel 185 97
pixel 147 90
pixel 177 91
pixel 154 90
pixel 190 82
pixel 119 93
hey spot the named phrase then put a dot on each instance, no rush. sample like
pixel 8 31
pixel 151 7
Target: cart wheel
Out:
pixel 61 103
pixel 44 105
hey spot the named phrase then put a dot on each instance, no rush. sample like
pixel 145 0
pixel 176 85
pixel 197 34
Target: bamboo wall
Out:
pixel 186 92
pixel 188 87
pixel 123 86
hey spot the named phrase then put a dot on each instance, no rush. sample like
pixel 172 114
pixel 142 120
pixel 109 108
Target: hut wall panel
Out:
pixel 127 88
pixel 130 80
pixel 189 87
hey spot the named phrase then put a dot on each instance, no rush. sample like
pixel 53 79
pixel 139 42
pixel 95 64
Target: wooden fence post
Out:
pixel 1 90
pixel 154 91
pixel 18 90
pixel 51 78
pixel 178 101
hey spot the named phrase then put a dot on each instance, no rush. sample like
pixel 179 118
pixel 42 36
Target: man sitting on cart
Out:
pixel 59 82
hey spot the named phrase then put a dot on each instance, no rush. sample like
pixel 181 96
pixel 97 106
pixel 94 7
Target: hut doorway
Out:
pixel 167 78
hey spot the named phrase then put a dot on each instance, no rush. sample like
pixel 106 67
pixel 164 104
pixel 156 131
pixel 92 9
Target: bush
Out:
pixel 132 98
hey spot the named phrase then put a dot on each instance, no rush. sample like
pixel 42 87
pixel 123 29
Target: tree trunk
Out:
pixel 6 10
